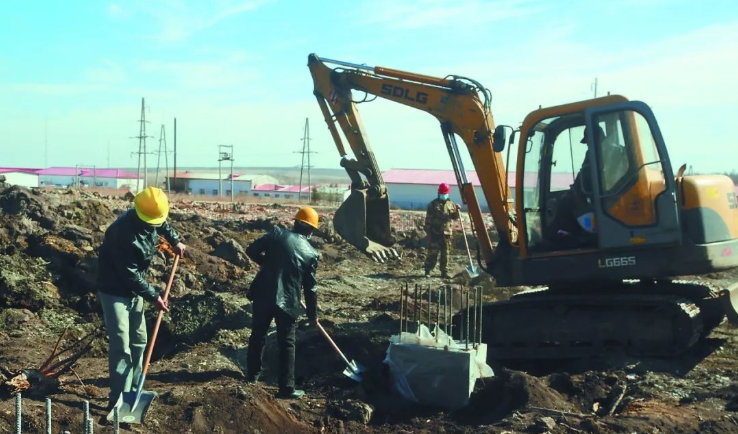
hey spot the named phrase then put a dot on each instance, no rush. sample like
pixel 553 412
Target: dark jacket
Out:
pixel 126 254
pixel 288 262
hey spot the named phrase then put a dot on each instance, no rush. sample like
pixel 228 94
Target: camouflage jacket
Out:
pixel 439 214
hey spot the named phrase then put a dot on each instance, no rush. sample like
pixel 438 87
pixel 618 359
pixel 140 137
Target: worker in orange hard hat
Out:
pixel 125 256
pixel 439 213
pixel 288 264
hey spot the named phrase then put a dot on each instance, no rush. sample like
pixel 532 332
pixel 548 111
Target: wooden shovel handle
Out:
pixel 158 318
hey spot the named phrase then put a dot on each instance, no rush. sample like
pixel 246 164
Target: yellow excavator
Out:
pixel 598 220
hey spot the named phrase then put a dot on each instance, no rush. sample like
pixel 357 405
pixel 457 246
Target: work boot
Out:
pixel 252 379
pixel 427 273
pixel 444 275
pixel 290 393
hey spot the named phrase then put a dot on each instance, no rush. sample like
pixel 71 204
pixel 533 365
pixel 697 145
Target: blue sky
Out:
pixel 234 72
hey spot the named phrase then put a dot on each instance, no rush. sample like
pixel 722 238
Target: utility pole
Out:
pixel 593 86
pixel 141 147
pixel 162 140
pixel 46 143
pixel 175 153
pixel 305 153
pixel 225 156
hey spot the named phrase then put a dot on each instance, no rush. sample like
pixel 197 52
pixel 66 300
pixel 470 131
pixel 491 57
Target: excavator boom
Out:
pixel 363 219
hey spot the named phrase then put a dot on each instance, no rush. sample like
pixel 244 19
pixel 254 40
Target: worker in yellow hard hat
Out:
pixel 288 263
pixel 125 256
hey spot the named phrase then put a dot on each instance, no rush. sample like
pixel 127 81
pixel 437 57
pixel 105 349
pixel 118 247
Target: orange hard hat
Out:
pixel 152 205
pixel 308 216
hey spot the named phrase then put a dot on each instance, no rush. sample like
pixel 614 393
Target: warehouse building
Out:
pixel 87 177
pixel 208 184
pixel 23 177
pixel 415 188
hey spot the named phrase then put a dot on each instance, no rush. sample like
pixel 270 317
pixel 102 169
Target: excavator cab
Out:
pixel 602 179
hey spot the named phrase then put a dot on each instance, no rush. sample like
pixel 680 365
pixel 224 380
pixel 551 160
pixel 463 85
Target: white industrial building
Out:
pixel 330 192
pixel 19 176
pixel 86 177
pixel 208 184
pixel 415 188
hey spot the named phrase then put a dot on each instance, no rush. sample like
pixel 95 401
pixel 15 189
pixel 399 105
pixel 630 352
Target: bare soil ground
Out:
pixel 48 244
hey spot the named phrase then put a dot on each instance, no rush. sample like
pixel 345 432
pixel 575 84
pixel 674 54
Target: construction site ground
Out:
pixel 48 244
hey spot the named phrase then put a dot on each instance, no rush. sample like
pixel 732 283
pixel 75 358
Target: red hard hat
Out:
pixel 444 188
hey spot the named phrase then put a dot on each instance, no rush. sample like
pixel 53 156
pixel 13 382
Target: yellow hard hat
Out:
pixel 152 206
pixel 308 216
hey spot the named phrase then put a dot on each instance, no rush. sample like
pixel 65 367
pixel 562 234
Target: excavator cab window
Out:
pixel 558 183
pixel 630 170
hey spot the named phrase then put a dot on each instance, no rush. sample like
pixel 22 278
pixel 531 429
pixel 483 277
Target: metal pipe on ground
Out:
pixel 451 326
pixel 401 313
pixel 474 327
pixel 48 416
pixel 467 319
pixel 416 310
pixel 18 413
pixel 86 407
pixel 407 306
pixel 481 312
pixel 438 314
pixel 445 310
pixel 116 421
pixel 429 307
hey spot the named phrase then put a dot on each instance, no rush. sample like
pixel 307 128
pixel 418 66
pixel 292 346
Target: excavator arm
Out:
pixel 363 219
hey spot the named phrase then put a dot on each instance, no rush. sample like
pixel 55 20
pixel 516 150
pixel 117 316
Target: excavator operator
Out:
pixel 575 218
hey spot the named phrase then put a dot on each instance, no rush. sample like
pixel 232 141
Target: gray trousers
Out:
pixel 126 328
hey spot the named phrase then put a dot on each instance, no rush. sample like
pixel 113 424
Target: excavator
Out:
pixel 599 225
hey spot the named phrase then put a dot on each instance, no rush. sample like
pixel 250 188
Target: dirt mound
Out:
pixel 234 410
pixel 508 391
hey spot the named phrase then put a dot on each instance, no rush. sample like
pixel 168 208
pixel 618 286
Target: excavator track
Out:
pixel 655 319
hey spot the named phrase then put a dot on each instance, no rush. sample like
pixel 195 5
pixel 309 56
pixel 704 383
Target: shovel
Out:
pixel 471 269
pixel 132 407
pixel 353 369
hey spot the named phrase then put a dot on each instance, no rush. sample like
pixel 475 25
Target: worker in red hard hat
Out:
pixel 288 264
pixel 438 215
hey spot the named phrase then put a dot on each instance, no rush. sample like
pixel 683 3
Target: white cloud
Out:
pixel 412 14
pixel 116 11
pixel 223 74
pixel 179 20
pixel 109 73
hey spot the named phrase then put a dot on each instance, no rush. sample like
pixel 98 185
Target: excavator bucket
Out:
pixel 364 223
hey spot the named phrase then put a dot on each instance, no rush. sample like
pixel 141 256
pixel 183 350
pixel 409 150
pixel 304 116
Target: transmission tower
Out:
pixel 306 155
pixel 141 147
pixel 162 140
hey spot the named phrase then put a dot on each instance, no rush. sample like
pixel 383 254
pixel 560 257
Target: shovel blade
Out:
pixel 131 412
pixel 349 373
pixel 472 271
pixel 353 371
pixel 357 367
